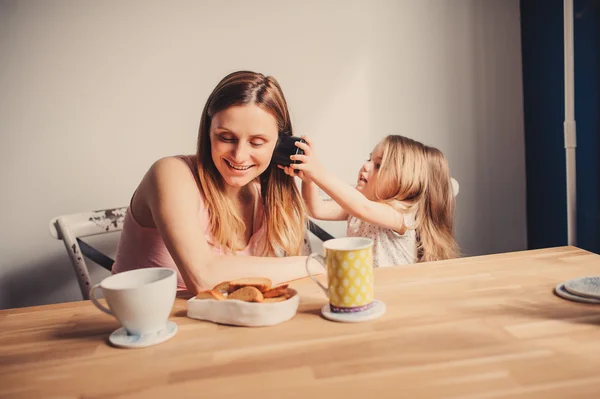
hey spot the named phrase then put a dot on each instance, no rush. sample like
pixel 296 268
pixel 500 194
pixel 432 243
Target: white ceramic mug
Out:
pixel 141 299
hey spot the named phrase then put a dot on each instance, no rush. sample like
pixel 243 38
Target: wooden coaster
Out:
pixel 588 287
pixel 563 293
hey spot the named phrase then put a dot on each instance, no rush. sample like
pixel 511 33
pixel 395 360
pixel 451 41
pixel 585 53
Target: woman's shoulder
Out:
pixel 172 172
pixel 174 162
pixel 167 177
pixel 178 166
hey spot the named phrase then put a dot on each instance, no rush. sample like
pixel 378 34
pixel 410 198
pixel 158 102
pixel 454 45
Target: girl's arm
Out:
pixel 170 195
pixel 319 209
pixel 350 200
pixel 356 204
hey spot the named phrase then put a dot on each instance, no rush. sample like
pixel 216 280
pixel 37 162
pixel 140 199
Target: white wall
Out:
pixel 92 92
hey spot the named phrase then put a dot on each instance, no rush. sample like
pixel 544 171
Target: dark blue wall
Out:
pixel 543 93
pixel 587 114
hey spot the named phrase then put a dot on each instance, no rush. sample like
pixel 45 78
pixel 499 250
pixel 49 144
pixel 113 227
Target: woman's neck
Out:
pixel 244 200
pixel 233 192
pixel 239 194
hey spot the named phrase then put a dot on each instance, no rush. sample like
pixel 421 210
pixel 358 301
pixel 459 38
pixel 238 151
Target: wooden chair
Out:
pixel 72 228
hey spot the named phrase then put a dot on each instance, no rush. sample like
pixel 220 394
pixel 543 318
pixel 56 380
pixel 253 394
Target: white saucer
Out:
pixel 584 286
pixel 563 293
pixel 375 311
pixel 121 339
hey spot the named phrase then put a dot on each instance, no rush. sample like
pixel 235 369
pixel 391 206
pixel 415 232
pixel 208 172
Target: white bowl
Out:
pixel 240 313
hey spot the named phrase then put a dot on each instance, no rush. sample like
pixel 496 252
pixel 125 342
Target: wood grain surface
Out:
pixel 478 327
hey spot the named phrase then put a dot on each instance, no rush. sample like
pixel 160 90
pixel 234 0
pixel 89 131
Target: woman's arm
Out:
pixel 319 209
pixel 278 270
pixel 171 194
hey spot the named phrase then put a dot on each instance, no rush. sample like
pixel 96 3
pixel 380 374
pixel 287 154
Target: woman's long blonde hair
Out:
pixel 283 206
pixel 414 178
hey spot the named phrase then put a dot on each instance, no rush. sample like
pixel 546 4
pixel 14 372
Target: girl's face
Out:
pixel 242 141
pixel 367 176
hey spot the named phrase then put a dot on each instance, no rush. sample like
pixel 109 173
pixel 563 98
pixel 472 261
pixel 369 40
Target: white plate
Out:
pixel 563 293
pixel 240 313
pixel 584 286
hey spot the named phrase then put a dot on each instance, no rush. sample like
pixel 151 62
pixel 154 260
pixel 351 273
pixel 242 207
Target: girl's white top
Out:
pixel 389 247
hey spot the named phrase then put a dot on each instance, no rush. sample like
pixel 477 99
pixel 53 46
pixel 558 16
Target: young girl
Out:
pixel 403 200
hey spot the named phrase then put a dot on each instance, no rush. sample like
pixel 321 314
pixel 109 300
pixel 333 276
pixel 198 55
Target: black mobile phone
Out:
pixel 285 148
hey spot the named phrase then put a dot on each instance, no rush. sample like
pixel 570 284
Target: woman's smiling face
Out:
pixel 242 140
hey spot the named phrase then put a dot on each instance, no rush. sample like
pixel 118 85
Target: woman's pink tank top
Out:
pixel 140 247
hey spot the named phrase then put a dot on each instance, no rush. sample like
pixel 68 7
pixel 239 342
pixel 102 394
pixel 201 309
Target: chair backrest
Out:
pixel 89 223
pixel 455 186
pixel 69 229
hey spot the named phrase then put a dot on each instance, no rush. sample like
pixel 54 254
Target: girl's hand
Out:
pixel 291 172
pixel 309 166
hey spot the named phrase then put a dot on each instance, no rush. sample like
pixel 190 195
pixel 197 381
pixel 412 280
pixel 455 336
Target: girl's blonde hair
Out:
pixel 283 205
pixel 415 178
pixel 436 233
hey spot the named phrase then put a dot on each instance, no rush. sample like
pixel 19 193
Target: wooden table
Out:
pixel 480 327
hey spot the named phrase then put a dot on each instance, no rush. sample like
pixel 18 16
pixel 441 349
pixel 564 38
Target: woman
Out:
pixel 196 213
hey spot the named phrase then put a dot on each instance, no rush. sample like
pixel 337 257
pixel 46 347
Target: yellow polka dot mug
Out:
pixel 349 265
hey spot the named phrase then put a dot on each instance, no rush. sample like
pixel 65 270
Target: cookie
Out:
pixel 247 294
pixel 223 287
pixel 261 283
pixel 276 291
pixel 210 295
